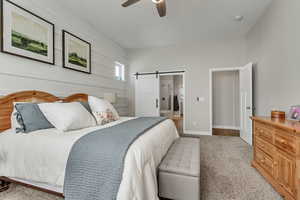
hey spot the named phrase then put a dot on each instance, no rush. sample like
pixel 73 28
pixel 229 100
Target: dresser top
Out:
pixel 288 125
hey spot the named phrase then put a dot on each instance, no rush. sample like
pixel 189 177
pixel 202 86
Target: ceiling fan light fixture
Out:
pixel 159 4
pixel 157 1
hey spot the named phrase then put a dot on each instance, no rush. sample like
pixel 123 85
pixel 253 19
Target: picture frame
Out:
pixel 76 53
pixel 294 113
pixel 25 34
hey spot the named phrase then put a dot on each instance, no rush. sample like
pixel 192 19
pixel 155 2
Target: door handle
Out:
pixel 156 103
pixel 248 108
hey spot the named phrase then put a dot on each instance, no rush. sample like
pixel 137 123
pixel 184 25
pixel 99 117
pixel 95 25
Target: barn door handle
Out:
pixel 156 103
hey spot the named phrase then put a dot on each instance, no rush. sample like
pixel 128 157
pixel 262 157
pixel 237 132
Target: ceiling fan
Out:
pixel 160 5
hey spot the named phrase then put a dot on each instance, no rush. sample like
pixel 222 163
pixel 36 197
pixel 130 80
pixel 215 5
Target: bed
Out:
pixel 38 160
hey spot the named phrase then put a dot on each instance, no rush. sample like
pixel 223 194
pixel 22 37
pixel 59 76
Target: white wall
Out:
pixel 274 45
pixel 196 59
pixel 17 74
pixel 226 94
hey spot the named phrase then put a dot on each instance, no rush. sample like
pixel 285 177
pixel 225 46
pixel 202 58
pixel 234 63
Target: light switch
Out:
pixel 200 99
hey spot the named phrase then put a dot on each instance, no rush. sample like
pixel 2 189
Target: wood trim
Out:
pixel 226 132
pixel 76 97
pixel 8 180
pixel 6 103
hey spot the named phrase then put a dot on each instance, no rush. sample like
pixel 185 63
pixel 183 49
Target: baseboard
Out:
pixel 191 132
pixel 228 127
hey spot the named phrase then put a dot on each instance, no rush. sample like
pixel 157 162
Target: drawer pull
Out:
pixel 281 185
pixel 261 131
pixel 283 142
pixel 262 161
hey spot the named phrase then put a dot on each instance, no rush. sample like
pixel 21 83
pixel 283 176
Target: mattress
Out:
pixel 40 158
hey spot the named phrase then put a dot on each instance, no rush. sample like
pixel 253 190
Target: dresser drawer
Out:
pixel 264 132
pixel 265 146
pixel 285 141
pixel 264 161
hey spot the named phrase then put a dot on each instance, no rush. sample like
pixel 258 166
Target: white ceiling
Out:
pixel 139 26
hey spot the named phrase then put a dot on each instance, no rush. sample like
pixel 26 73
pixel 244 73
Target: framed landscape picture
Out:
pixel 76 53
pixel 25 34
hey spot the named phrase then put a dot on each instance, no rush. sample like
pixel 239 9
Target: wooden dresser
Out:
pixel 277 154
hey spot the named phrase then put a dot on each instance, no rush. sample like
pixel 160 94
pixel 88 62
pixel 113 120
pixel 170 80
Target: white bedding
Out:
pixel 42 157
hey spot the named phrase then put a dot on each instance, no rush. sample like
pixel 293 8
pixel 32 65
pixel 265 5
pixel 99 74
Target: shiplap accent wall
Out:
pixel 17 74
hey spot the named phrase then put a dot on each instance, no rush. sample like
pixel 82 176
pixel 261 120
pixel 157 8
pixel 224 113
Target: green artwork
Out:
pixel 77 53
pixel 77 60
pixel 28 35
pixel 24 42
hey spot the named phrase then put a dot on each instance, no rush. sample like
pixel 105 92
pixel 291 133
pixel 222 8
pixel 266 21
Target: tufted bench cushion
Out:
pixel 179 172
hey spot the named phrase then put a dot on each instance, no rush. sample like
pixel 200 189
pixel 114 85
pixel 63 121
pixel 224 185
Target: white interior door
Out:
pixel 246 99
pixel 147 96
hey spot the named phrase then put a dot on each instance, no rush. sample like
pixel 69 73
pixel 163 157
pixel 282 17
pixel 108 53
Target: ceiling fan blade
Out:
pixel 161 8
pixel 129 3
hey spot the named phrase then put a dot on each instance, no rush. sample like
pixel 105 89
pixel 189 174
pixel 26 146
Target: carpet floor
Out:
pixel 226 174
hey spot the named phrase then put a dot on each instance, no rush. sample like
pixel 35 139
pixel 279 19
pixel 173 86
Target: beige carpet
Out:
pixel 226 174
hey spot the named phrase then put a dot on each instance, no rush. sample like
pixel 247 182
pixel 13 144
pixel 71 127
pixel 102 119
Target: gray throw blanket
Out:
pixel 95 164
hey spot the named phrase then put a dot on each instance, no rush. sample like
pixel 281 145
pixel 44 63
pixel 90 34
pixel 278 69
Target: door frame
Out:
pixel 184 93
pixel 211 71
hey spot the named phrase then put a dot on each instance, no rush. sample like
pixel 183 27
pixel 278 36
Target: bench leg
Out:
pixel 4 186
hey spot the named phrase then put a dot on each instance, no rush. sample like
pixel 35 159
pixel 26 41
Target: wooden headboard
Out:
pixel 6 103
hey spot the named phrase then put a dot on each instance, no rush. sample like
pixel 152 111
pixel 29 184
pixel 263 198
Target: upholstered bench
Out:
pixel 179 172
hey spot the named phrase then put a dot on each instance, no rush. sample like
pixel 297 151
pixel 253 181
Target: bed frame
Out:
pixel 6 108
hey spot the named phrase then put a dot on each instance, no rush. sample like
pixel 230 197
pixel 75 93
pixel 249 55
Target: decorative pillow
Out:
pixel 67 116
pixel 104 117
pixel 102 106
pixel 30 118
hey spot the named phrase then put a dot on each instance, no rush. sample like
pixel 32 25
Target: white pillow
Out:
pixel 67 116
pixel 101 105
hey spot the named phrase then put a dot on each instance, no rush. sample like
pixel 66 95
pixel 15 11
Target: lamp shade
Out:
pixel 110 97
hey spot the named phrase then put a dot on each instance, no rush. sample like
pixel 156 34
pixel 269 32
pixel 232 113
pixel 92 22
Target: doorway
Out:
pixel 226 103
pixel 231 103
pixel 161 94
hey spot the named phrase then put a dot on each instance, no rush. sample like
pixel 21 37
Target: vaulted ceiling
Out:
pixel 139 26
